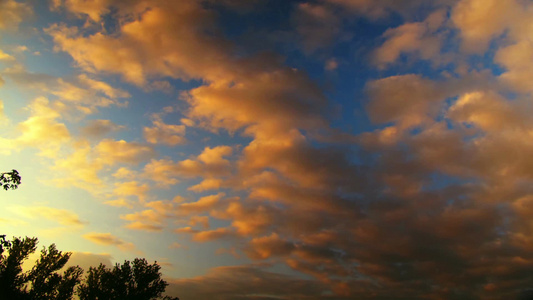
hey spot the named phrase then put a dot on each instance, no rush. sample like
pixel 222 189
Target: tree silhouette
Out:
pixel 10 180
pixel 41 282
pixel 137 281
pixel 129 281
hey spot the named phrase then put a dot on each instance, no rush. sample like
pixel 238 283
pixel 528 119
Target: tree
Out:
pixel 41 282
pixel 129 281
pixel 10 180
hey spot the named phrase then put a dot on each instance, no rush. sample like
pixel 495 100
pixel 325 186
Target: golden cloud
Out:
pixel 61 216
pixel 107 239
pixel 99 128
pixel 12 13
pixel 162 133
pixel 417 37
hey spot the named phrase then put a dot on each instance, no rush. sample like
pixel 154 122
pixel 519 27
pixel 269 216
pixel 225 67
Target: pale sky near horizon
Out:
pixel 271 149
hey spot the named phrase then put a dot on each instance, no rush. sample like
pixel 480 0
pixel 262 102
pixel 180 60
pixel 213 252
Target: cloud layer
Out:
pixel 425 196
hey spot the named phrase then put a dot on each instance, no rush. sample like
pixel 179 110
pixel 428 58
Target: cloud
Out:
pixel 175 245
pixel 147 220
pixel 215 234
pixel 6 57
pixel 419 37
pixel 317 26
pixel 437 186
pixel 234 283
pixel 29 79
pixel 110 152
pixel 481 21
pixel 107 239
pixel 406 99
pixel 490 112
pixel 3 118
pixel 266 246
pixel 135 54
pixel 331 64
pixel 83 164
pixel 143 226
pixel 120 203
pixel 203 205
pixel 13 222
pixel 61 216
pixel 249 220
pixel 515 59
pixel 77 93
pixel 162 133
pixel 199 220
pixel 131 188
pixel 380 9
pixel 86 260
pixel 40 130
pixel 276 101
pixel 206 185
pixel 12 13
pixel 277 97
pixel 208 164
pixel 99 128
pixel 78 169
pixel 103 87
pixel 88 94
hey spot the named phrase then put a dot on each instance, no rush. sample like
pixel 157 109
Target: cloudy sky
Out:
pixel 275 149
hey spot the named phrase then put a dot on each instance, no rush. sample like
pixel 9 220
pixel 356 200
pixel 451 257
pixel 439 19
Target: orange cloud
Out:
pixel 199 220
pixel 120 203
pixel 147 220
pixel 210 235
pixel 111 152
pixel 480 21
pixel 233 282
pixel 140 54
pixel 167 134
pixel 86 260
pixel 61 216
pixel 210 163
pixel 6 57
pixel 40 130
pixel 515 59
pixel 417 37
pixel 317 25
pixel 12 13
pixel 107 239
pixel 99 128
pixel 326 210
pixel 203 205
pixel 93 8
pixel 206 185
pixel 131 188
pixel 407 99
pixel 84 164
pixel 266 246
pixel 490 112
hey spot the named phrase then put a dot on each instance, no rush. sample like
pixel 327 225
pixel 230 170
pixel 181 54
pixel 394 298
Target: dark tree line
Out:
pixel 10 180
pixel 137 280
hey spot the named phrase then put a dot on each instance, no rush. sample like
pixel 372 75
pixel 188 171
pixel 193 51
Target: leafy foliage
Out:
pixel 43 281
pixel 135 280
pixel 10 180
pixel 129 281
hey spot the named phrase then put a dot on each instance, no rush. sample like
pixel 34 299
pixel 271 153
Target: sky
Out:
pixel 276 149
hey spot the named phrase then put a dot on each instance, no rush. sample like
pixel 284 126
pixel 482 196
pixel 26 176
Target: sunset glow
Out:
pixel 276 149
